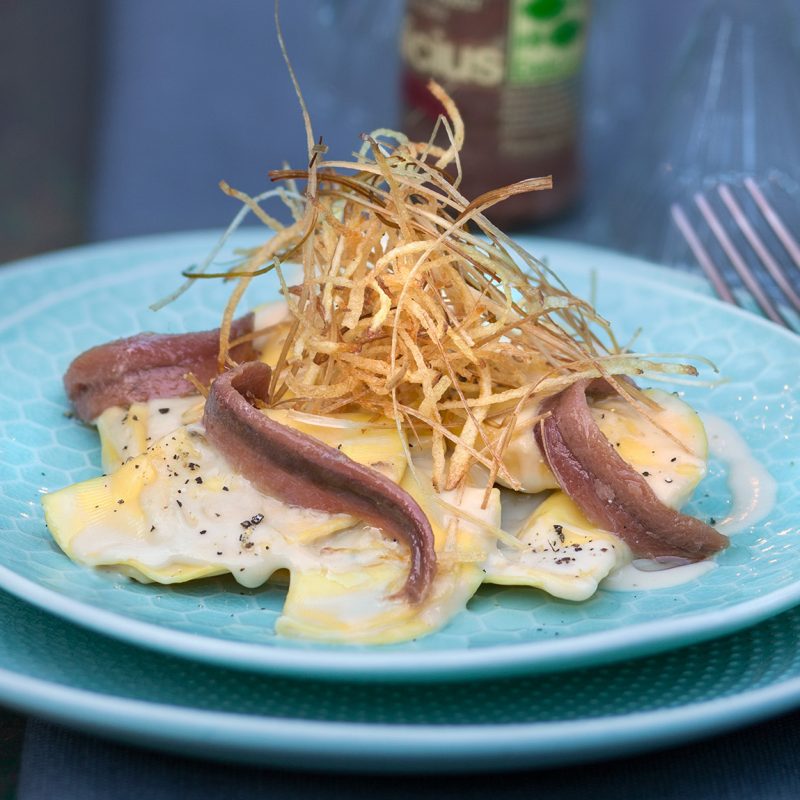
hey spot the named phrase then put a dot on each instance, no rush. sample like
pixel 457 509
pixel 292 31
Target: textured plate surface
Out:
pixel 59 671
pixel 55 306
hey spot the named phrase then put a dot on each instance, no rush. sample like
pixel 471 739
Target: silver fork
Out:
pixel 783 287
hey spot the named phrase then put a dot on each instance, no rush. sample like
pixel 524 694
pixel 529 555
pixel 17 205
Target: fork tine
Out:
pixel 788 241
pixel 701 254
pixel 738 262
pixel 758 245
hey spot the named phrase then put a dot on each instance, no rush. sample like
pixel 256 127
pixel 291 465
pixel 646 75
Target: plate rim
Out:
pixel 432 666
pixel 385 747
pixel 591 649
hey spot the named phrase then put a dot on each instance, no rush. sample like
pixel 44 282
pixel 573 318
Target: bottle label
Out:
pixel 546 40
pixel 457 42
pixel 513 68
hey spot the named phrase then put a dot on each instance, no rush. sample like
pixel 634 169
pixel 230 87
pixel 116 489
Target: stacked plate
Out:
pixel 517 679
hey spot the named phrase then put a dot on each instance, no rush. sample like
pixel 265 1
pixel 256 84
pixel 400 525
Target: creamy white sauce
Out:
pixel 280 538
pixel 645 574
pixel 196 512
pixel 753 489
pixel 165 416
pixel 753 492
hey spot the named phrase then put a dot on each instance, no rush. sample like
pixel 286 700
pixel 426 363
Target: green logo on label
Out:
pixel 546 39
pixel 544 9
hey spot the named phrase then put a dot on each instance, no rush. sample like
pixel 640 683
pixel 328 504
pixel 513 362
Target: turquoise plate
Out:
pixel 55 306
pixel 56 670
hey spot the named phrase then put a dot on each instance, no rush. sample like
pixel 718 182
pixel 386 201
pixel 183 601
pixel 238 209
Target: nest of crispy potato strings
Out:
pixel 414 307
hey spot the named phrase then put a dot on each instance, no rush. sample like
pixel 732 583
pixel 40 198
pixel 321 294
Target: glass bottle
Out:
pixel 513 68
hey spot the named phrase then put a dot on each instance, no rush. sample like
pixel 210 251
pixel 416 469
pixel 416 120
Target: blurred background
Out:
pixel 119 119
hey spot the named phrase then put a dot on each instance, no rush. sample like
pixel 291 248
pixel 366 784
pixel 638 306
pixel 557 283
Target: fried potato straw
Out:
pixel 415 307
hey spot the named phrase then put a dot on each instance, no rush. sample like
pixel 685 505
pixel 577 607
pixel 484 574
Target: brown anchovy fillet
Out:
pixel 608 490
pixel 146 366
pixel 303 471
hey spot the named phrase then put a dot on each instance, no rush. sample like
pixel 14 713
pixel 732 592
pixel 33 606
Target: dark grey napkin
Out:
pixel 757 763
